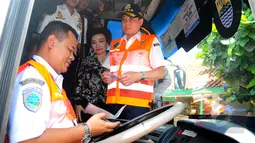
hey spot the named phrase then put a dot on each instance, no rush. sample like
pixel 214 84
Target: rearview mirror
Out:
pixel 179 79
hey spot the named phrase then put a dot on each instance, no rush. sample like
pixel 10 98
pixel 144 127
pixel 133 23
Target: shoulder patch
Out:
pixel 59 15
pixel 156 44
pixel 32 80
pixel 32 98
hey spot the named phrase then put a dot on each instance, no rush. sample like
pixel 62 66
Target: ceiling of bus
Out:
pixel 113 7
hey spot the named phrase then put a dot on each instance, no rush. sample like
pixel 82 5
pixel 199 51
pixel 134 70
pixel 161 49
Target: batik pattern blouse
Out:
pixel 89 86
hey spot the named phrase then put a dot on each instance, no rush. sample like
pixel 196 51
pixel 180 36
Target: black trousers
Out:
pixel 129 113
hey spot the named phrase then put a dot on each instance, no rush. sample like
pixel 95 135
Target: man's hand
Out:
pixel 78 110
pixel 109 115
pixel 106 78
pixel 130 78
pixel 98 126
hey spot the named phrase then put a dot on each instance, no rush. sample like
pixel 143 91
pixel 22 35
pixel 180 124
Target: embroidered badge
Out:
pixel 79 25
pixel 32 98
pixel 156 44
pixel 128 8
pixel 116 45
pixel 32 80
pixel 143 42
pixel 60 16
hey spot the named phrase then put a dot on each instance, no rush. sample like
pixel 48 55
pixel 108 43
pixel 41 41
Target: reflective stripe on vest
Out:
pixel 134 59
pixel 55 94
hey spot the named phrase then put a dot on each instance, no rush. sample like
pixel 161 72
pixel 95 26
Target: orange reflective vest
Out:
pixel 56 96
pixel 134 59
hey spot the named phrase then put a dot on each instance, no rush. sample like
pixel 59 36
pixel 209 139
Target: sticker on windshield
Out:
pixel 189 133
pixel 190 16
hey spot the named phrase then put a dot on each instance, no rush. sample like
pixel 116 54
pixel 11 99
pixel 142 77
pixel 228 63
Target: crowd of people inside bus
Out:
pixel 72 41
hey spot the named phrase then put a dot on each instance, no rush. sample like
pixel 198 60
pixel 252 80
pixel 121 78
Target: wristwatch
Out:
pixel 142 75
pixel 87 136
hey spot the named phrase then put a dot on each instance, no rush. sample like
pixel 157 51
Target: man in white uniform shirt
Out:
pixel 66 13
pixel 40 111
pixel 135 62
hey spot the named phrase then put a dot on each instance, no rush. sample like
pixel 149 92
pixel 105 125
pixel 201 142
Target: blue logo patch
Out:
pixel 32 98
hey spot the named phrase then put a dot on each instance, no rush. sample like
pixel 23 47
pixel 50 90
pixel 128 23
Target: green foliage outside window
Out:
pixel 234 58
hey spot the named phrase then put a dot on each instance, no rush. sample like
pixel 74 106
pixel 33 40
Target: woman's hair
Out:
pixel 106 32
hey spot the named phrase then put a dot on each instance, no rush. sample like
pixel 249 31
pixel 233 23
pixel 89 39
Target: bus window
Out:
pixel 115 28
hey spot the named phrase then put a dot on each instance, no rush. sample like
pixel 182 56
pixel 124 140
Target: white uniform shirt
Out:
pixel 156 56
pixel 30 109
pixel 63 14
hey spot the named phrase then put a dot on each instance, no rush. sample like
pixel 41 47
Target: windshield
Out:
pixel 218 77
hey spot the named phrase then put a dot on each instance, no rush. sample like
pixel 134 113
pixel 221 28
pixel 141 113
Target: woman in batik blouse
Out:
pixel 89 87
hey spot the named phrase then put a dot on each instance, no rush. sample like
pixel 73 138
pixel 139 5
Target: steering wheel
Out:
pixel 138 127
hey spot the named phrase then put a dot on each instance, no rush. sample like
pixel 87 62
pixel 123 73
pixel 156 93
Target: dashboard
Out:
pixel 155 126
pixel 185 131
pixel 201 131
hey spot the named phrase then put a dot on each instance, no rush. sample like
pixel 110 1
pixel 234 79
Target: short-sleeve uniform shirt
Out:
pixel 63 14
pixel 31 104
